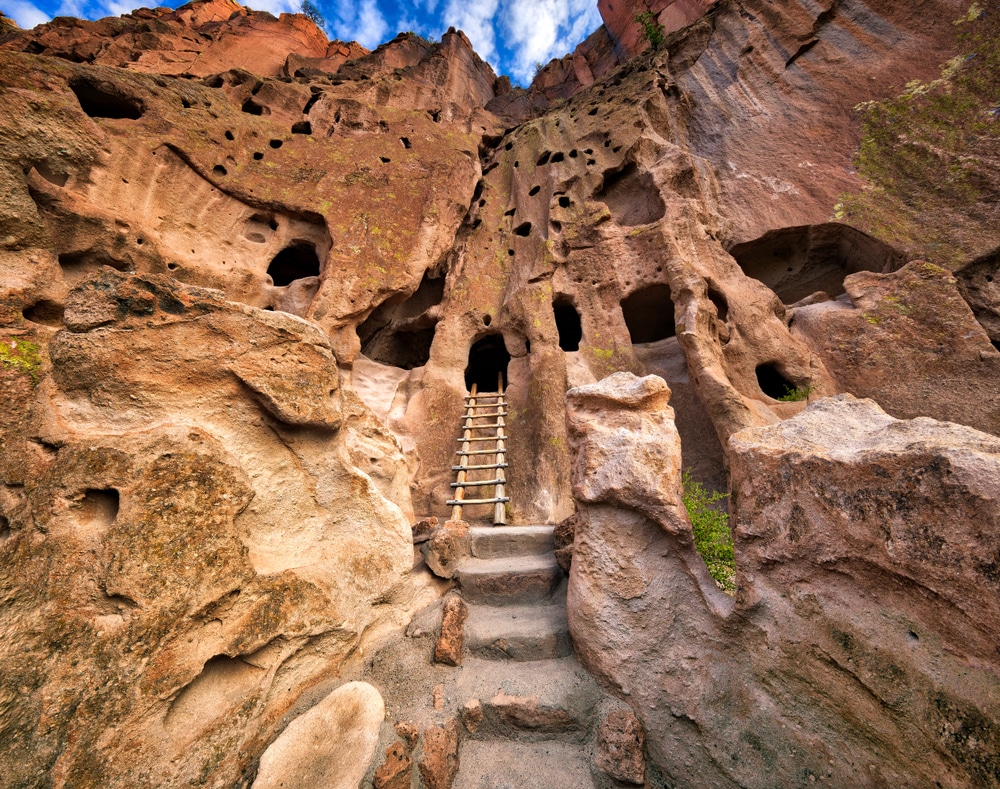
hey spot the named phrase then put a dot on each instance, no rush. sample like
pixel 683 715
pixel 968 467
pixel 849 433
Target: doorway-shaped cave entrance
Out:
pixel 488 360
pixel 649 314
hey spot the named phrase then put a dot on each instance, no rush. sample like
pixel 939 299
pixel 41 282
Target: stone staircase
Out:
pixel 528 712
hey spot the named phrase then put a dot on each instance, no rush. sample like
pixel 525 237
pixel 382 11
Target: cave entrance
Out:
pixel 796 262
pixel 568 324
pixel 400 331
pixel 488 360
pixel 649 314
pixel 296 261
pixel 772 382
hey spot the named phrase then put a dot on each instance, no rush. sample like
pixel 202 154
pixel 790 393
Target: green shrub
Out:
pixel 311 10
pixel 712 536
pixel 795 395
pixel 652 30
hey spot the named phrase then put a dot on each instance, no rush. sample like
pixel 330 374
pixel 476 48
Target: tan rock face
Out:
pixel 833 583
pixel 620 747
pixel 181 535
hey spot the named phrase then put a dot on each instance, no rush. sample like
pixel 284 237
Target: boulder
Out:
pixel 876 586
pixel 439 755
pixel 446 548
pixel 620 749
pixel 331 745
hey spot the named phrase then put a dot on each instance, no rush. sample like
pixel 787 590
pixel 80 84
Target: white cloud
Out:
pixel 539 30
pixel 361 22
pixel 276 7
pixel 24 13
pixel 476 19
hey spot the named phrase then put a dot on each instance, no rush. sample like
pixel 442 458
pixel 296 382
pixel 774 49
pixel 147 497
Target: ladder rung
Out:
pixel 485 416
pixel 485 438
pixel 478 468
pixel 486 405
pixel 482 484
pixel 484 427
pixel 497 451
pixel 463 502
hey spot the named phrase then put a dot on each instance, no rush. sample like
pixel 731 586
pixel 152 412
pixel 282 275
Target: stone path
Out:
pixel 528 712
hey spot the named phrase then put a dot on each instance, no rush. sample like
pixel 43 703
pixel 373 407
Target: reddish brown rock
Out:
pixel 395 770
pixel 423 529
pixel 439 756
pixel 621 745
pixel 446 548
pixel 472 715
pixel 448 649
pixel 524 712
pixel 409 732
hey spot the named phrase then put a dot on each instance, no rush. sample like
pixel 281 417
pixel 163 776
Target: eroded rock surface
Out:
pixel 176 537
pixel 857 649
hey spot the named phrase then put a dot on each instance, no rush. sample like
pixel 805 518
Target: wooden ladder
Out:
pixel 474 444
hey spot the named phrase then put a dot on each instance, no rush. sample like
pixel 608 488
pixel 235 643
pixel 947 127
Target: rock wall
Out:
pixel 858 648
pixel 247 274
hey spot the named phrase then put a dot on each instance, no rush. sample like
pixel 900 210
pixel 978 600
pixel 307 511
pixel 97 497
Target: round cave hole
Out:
pixel 294 262
pixel 772 382
pixel 488 360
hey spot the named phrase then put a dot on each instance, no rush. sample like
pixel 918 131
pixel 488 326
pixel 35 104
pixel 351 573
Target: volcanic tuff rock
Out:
pixel 247 275
pixel 860 646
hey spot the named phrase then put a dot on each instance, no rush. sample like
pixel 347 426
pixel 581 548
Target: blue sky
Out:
pixel 512 35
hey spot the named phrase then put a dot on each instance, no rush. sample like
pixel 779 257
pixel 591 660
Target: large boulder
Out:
pixel 858 648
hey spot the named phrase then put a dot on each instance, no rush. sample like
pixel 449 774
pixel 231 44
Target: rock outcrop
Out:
pixel 181 558
pixel 247 276
pixel 858 649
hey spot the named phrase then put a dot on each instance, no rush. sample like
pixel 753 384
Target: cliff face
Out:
pixel 315 249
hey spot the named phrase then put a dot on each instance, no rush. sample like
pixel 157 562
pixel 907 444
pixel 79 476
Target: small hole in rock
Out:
pixel 510 252
pixel 406 142
pixel 275 143
pixel 384 159
pixel 508 146
pixel 543 159
pixel 557 157
pixel 516 164
pixel 294 262
pixel 251 107
pixel 568 324
pixel 302 127
pixel 45 312
pixel 219 170
pixel 534 190
pixel 564 202
pixel 573 154
pixel 487 320
pixel 172 266
pixel 257 155
pixel 4 528
pixel 523 229
pixel 772 382
pixel 593 111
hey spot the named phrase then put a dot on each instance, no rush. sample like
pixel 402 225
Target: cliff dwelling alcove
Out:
pixel 400 331
pixel 568 324
pixel 488 360
pixel 649 314
pixel 631 196
pixel 796 262
pixel 97 102
pixel 296 261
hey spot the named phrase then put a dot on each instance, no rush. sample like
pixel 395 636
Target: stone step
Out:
pixel 519 633
pixel 494 542
pixel 516 580
pixel 517 765
pixel 537 700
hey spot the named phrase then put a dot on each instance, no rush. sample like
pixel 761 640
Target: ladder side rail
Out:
pixel 456 512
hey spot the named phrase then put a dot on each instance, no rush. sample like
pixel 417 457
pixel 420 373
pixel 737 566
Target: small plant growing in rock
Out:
pixel 652 30
pixel 794 395
pixel 712 536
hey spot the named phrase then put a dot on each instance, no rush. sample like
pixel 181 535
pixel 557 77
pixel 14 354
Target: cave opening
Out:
pixel 796 262
pixel 772 382
pixel 488 360
pixel 649 314
pixel 100 103
pixel 400 331
pixel 568 324
pixel 295 261
pixel 45 312
pixel 631 196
